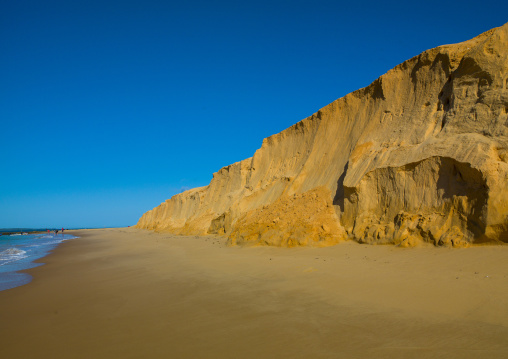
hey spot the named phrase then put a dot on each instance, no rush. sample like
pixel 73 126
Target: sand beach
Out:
pixel 316 181
pixel 132 293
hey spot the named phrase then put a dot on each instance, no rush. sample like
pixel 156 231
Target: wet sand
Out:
pixel 128 293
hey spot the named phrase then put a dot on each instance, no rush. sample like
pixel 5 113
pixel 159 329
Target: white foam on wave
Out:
pixel 46 243
pixel 11 254
pixel 13 251
pixel 53 240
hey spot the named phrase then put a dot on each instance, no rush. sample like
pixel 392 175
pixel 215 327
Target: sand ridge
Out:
pixel 135 293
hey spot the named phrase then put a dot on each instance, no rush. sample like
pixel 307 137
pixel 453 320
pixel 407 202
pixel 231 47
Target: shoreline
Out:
pixel 22 251
pixel 135 293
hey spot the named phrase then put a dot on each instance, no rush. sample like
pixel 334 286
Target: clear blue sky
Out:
pixel 108 108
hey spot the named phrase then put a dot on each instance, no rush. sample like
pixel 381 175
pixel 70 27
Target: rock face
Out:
pixel 419 155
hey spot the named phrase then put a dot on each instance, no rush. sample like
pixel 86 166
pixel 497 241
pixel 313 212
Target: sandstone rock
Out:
pixel 419 155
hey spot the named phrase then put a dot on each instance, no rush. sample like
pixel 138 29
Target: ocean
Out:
pixel 19 251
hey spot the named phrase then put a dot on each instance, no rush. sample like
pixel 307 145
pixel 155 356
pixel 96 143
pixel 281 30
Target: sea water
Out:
pixel 19 251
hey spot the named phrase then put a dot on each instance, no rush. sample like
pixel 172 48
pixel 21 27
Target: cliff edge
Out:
pixel 421 154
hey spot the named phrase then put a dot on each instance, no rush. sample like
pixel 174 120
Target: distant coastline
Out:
pixel 8 231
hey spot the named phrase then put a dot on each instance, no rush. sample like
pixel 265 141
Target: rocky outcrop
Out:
pixel 419 155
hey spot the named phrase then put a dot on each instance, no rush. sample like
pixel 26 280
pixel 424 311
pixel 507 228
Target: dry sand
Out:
pixel 129 293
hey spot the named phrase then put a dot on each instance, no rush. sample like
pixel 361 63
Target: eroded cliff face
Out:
pixel 419 155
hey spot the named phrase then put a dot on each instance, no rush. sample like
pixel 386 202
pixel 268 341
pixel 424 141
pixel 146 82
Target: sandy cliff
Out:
pixel 419 155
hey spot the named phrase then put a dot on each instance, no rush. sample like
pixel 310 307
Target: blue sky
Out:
pixel 108 108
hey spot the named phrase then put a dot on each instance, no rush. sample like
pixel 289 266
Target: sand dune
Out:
pixel 133 293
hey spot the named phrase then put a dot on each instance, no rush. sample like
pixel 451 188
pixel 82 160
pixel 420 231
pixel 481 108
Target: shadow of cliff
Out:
pixel 338 199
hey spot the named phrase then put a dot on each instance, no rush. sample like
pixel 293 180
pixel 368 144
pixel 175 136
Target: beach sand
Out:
pixel 130 293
